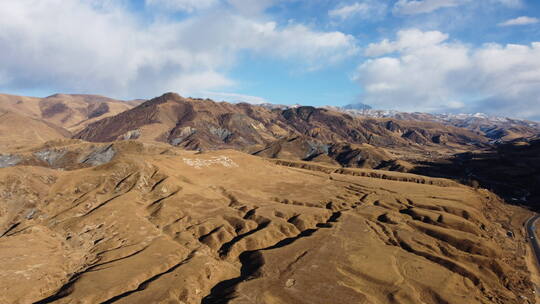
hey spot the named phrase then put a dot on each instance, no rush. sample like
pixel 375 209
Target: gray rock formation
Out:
pixel 184 134
pixel 221 133
pixel 51 157
pixel 100 156
pixel 9 160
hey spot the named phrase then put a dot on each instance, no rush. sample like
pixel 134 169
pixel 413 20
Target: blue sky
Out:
pixel 411 55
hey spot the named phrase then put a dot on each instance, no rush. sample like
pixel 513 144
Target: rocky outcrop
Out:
pixel 303 132
pixel 99 156
pixel 9 160
pixel 51 157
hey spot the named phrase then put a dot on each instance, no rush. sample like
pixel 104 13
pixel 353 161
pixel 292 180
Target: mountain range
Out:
pixel 493 127
pixel 185 200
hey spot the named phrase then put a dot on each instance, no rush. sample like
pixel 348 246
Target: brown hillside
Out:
pixel 150 223
pixel 512 170
pixel 19 131
pixel 71 112
pixel 302 133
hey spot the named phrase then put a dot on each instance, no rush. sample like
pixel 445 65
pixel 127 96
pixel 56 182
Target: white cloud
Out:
pixel 100 46
pixel 234 97
pixel 365 9
pixel 409 39
pixel 182 5
pixel 429 73
pixel 347 11
pixel 232 33
pixel 413 7
pixel 523 20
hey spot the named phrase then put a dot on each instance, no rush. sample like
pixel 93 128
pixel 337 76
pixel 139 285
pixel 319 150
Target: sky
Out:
pixel 440 56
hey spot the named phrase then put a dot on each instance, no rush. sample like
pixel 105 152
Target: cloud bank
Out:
pixel 101 46
pixel 425 71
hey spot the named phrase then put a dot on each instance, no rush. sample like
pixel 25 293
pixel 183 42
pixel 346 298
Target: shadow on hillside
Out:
pixel 511 170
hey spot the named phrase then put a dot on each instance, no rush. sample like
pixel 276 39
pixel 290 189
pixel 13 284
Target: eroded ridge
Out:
pixel 253 260
pixel 148 227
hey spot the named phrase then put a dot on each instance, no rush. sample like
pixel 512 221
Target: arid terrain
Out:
pixel 302 133
pixel 512 170
pixel 180 200
pixel 31 120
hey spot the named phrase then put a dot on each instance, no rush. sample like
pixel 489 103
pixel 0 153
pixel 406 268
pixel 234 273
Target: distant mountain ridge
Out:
pixel 32 120
pixel 303 132
pixel 497 129
pixel 69 111
pixel 356 138
pixel 357 106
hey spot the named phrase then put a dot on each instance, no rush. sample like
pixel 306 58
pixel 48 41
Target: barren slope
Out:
pixel 511 169
pixel 19 131
pixel 304 133
pixel 72 112
pixel 156 224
